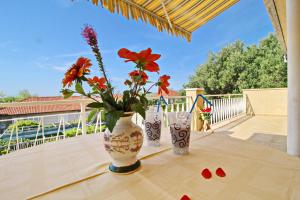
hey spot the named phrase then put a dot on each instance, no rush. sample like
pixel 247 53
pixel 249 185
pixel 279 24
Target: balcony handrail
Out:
pixel 40 116
pixel 220 95
pixel 168 97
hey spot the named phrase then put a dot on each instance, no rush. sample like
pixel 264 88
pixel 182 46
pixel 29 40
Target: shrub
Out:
pixel 22 123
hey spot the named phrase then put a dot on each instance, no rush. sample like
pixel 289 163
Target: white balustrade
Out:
pixel 226 107
pixel 56 127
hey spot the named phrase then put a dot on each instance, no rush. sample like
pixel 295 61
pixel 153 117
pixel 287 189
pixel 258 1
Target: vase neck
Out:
pixel 125 119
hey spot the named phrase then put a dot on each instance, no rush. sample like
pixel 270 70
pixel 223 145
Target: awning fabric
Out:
pixel 178 17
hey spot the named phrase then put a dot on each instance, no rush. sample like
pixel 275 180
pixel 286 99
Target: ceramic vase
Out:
pixel 123 144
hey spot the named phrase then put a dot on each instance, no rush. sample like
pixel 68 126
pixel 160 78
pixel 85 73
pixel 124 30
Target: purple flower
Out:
pixel 90 36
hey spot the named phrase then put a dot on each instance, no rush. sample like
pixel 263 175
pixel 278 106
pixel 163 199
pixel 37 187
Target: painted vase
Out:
pixel 123 145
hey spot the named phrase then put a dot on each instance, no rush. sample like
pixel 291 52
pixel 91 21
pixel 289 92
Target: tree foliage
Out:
pixel 237 67
pixel 23 94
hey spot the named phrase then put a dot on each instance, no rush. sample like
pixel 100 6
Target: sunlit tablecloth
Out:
pixel 76 168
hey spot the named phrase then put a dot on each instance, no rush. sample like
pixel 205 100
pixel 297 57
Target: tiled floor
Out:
pixel 266 130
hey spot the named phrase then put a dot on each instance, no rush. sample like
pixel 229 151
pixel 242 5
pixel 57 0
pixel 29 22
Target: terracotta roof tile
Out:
pixel 171 93
pixel 37 109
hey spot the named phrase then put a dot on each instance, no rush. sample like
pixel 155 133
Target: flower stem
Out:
pixel 100 62
pixel 150 87
pixel 101 67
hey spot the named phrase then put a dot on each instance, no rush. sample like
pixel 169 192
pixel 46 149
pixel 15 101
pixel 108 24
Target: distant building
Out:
pixel 168 97
pixel 35 111
pixel 39 110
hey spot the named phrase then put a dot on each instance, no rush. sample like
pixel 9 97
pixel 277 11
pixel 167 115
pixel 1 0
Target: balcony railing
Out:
pixel 50 128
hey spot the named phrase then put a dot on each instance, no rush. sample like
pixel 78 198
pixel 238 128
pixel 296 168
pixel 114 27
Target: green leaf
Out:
pixel 144 100
pixel 67 93
pixel 111 118
pixel 126 94
pixel 79 88
pixel 95 105
pixel 92 114
pixel 139 108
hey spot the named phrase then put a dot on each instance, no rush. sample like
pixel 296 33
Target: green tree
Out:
pixel 237 67
pixel 2 94
pixel 23 94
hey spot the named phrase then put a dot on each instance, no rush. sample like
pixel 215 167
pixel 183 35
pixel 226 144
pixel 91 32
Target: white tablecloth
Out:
pixel 76 168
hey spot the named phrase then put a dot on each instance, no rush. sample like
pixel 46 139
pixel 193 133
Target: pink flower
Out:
pixel 90 35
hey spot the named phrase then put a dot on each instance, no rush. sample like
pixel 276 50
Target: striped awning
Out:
pixel 178 17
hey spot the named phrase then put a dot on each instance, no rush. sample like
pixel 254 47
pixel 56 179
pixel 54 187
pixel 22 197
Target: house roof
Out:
pixel 171 93
pixel 39 109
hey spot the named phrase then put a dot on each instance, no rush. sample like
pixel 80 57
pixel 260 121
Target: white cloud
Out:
pixel 61 69
pixel 76 54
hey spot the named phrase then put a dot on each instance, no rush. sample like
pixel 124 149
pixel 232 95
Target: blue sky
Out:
pixel 40 39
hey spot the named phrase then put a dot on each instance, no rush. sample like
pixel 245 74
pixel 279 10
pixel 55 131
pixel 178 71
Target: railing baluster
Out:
pixel 17 137
pixel 97 121
pixel 43 129
pixel 83 118
pixel 58 129
pixel 64 127
pixel 77 130
pixel 100 119
pixel 37 132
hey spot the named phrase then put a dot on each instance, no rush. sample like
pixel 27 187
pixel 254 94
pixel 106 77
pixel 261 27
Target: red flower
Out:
pixel 185 197
pixel 206 173
pixel 90 35
pixel 143 58
pixel 76 71
pixel 139 77
pixel 163 83
pixel 97 82
pixel 220 172
pixel 206 110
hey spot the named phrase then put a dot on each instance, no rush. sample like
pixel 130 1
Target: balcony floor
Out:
pixel 266 130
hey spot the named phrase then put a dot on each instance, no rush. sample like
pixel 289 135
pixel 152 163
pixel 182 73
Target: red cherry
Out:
pixel 185 197
pixel 220 172
pixel 206 173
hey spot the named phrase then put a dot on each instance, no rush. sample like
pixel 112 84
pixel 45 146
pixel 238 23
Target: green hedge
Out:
pixel 90 130
pixel 22 123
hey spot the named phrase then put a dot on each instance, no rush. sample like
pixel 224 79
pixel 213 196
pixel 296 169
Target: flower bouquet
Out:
pixel 122 138
pixel 205 116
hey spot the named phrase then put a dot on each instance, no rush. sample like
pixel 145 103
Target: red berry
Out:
pixel 185 197
pixel 220 172
pixel 206 173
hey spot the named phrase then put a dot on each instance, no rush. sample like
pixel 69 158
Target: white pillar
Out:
pixel 293 49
